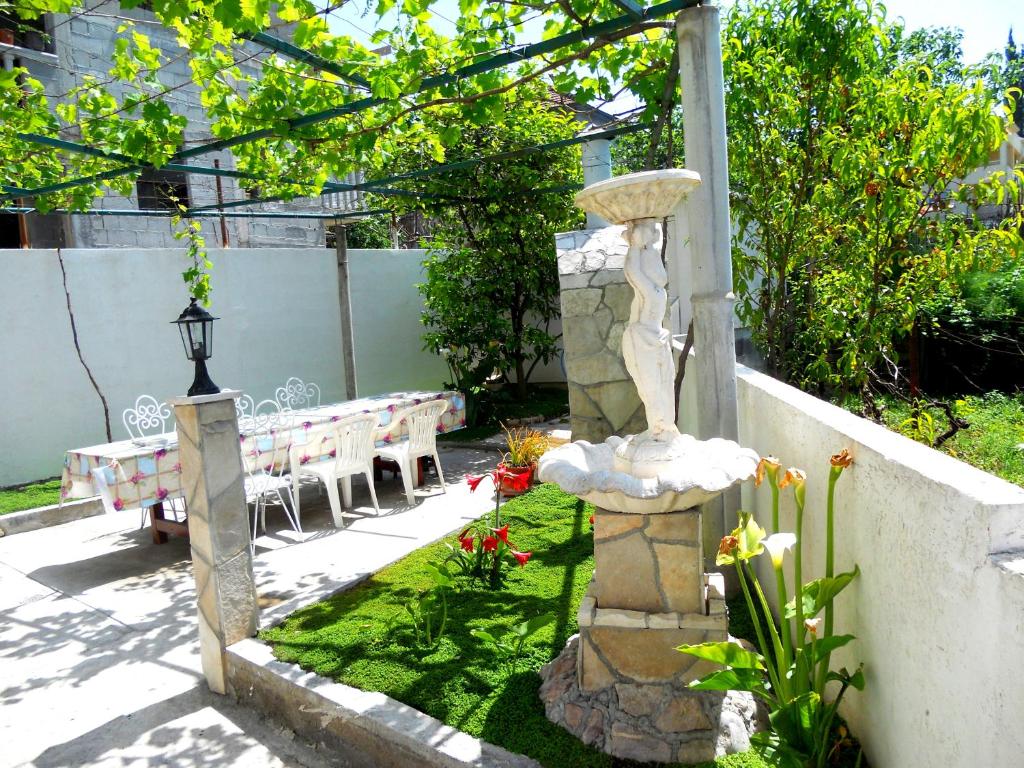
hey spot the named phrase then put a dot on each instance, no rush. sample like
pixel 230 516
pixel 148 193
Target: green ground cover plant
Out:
pixel 29 496
pixel 989 443
pixel 362 637
pixel 501 407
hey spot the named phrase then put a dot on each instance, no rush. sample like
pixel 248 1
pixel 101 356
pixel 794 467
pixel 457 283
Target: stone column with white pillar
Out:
pixel 218 524
pixel 709 228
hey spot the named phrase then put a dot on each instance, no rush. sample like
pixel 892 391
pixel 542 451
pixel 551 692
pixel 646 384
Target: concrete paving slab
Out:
pixel 99 657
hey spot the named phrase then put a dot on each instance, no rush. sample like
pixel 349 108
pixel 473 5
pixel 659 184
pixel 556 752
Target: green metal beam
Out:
pixel 208 214
pixel 285 48
pixel 582 138
pixel 84 149
pixel 631 8
pixel 517 54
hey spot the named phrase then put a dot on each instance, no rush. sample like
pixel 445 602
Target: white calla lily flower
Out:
pixel 777 544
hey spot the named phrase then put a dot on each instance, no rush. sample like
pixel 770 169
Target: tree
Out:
pixel 491 286
pixel 845 153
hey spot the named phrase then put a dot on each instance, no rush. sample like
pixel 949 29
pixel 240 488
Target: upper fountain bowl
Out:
pixel 643 195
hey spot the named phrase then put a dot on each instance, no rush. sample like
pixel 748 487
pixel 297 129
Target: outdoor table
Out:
pixel 147 472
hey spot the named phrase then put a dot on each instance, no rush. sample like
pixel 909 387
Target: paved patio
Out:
pixel 100 662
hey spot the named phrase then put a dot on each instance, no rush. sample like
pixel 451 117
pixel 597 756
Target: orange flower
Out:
pixel 769 465
pixel 843 459
pixel 728 545
pixel 795 477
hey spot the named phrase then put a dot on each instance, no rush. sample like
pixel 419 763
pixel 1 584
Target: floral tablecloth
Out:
pixel 143 472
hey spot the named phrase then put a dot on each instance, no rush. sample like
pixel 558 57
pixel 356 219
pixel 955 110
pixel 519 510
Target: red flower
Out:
pixel 473 482
pixel 591 519
pixel 467 543
pixel 501 533
pixel 522 557
pixel 490 544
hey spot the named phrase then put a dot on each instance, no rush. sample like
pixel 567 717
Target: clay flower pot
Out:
pixel 515 480
pixel 7 36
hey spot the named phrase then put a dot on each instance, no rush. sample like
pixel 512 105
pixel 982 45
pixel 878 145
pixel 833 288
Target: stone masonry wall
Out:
pixel 595 309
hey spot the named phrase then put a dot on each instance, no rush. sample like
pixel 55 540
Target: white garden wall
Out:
pixel 280 318
pixel 386 309
pixel 939 606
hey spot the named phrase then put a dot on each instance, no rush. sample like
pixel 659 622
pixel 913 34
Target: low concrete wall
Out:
pixel 54 514
pixel 939 607
pixel 370 729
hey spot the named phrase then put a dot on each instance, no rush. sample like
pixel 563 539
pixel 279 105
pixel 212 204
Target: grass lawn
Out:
pixel 990 443
pixel 29 496
pixel 363 637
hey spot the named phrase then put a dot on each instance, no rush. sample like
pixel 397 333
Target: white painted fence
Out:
pixel 279 318
pixel 939 607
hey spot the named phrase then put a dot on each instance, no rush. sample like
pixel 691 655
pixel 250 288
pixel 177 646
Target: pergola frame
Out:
pixel 634 14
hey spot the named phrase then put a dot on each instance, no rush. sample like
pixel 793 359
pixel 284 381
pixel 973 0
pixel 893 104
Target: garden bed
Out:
pixel 364 638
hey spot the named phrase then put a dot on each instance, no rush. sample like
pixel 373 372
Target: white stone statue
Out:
pixel 660 469
pixel 646 343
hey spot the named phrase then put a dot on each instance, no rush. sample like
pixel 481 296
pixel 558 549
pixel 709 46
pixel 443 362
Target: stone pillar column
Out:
pixel 703 101
pixel 218 526
pixel 597 166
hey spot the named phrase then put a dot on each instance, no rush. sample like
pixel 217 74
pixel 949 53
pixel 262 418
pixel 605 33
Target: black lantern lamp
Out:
pixel 196 327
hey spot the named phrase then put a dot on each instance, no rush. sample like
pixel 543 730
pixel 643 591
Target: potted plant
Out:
pixel 525 447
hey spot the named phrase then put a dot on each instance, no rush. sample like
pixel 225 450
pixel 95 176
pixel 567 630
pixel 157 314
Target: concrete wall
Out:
pixel 280 318
pixel 386 308
pixel 939 607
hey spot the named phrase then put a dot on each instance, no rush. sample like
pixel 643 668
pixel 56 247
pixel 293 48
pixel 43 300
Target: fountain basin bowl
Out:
pixel 697 475
pixel 643 195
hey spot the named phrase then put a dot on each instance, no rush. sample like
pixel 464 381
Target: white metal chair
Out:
pixel 296 394
pixel 422 420
pixel 245 407
pixel 147 418
pixel 353 454
pixel 265 465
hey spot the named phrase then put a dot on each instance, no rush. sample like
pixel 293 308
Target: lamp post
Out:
pixel 195 325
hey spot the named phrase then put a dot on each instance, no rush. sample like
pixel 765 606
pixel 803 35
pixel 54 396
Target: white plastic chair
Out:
pixel 266 463
pixel 353 454
pixel 422 420
pixel 148 417
pixel 296 394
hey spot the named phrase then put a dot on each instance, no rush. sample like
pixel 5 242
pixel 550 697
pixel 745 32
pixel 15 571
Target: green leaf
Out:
pixel 826 645
pixel 795 722
pixel 527 628
pixel 820 592
pixel 487 637
pixel 732 680
pixel 725 653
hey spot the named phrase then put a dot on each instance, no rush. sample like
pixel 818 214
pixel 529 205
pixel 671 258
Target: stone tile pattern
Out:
pixel 649 563
pixel 664 722
pixel 218 530
pixel 595 296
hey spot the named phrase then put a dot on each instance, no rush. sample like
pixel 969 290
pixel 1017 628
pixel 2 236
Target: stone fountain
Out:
pixel 621 685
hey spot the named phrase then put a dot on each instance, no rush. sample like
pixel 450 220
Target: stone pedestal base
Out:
pixel 621 685
pixel 629 646
pixel 657 722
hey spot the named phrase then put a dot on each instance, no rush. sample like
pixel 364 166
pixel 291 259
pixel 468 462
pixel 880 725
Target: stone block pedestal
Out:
pixel 211 467
pixel 621 685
